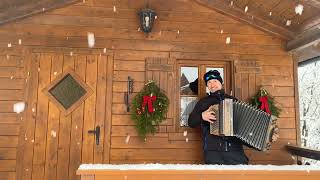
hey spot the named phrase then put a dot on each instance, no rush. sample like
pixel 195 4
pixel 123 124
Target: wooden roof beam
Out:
pixel 314 3
pixel 309 24
pixel 221 7
pixel 307 35
pixel 17 9
pixel 307 53
pixel 304 40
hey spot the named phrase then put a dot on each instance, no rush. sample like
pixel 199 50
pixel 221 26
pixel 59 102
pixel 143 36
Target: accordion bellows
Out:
pixel 236 118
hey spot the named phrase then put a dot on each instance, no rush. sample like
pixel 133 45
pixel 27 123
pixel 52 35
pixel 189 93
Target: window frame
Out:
pixel 53 83
pixel 202 65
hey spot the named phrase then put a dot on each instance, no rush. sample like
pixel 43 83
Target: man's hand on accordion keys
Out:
pixel 209 115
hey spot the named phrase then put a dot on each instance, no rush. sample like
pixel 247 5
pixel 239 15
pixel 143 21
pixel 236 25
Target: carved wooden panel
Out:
pixel 245 78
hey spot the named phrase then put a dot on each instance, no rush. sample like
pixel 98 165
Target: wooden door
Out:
pixel 61 142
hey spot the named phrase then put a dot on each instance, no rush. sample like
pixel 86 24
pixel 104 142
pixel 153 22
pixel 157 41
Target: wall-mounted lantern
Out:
pixel 147 17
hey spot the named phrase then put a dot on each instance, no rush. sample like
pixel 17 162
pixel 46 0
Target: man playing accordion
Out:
pixel 217 149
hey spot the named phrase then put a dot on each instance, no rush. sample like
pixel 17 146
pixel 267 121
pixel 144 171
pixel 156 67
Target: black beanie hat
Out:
pixel 212 74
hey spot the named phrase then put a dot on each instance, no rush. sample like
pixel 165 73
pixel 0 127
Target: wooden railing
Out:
pixel 304 152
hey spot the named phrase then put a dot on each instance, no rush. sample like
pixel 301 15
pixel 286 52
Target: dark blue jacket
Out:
pixel 212 142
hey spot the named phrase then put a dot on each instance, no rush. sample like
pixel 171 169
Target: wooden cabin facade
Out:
pixel 44 142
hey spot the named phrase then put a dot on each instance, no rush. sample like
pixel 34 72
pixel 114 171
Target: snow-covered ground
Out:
pixel 309 101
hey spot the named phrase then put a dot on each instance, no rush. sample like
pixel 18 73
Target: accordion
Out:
pixel 234 118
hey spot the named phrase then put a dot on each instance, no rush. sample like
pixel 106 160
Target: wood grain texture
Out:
pixel 26 139
pixel 19 9
pixel 77 124
pixel 184 32
pixel 65 132
pixel 90 111
pixel 42 117
pixel 53 129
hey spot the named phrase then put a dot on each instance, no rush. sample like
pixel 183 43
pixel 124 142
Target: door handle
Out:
pixel 129 91
pixel 96 132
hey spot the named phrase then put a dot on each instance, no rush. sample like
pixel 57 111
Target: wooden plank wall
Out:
pixel 13 81
pixel 183 30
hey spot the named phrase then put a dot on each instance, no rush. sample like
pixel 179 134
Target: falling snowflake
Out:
pixel 19 107
pixel 127 139
pixel 228 40
pixel 185 133
pixel 53 133
pixel 246 9
pixel 299 9
pixel 91 39
pixel 288 22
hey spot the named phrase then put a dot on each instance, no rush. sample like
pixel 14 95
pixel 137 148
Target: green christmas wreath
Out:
pixel 149 109
pixel 264 101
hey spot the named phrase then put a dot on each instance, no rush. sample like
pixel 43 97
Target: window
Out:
pixel 67 91
pixel 192 86
pixel 188 92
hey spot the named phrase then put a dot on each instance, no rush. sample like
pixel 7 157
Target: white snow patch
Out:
pixel 197 167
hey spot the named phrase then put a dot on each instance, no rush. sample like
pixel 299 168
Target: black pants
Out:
pixel 226 158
